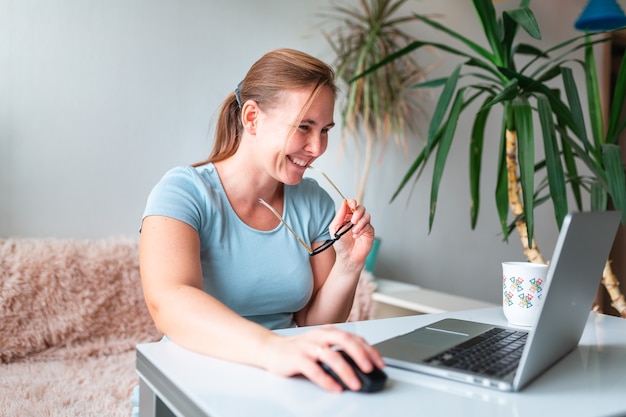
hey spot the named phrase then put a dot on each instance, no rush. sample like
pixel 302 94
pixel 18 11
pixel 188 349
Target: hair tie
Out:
pixel 237 94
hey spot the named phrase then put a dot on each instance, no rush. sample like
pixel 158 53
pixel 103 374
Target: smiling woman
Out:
pixel 220 270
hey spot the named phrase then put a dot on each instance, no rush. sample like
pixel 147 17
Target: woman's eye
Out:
pixel 308 129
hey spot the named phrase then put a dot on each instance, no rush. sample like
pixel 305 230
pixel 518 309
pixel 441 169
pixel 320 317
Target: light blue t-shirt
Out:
pixel 264 276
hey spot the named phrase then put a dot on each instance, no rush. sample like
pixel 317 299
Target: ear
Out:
pixel 249 116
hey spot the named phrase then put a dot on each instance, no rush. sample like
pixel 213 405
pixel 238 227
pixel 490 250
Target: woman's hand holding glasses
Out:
pixel 354 221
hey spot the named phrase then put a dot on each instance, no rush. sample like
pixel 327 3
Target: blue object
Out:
pixel 370 261
pixel 600 16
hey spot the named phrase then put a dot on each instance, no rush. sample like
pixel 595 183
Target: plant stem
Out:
pixel 367 163
pixel 532 254
pixel 610 282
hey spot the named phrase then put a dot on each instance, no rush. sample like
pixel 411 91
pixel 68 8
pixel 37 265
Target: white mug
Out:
pixel 524 286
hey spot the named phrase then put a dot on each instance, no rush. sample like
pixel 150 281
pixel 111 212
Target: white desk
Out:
pixel 590 381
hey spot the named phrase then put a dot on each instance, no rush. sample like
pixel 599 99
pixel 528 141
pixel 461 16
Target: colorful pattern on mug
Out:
pixel 515 285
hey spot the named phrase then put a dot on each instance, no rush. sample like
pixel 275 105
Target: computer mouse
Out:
pixel 370 382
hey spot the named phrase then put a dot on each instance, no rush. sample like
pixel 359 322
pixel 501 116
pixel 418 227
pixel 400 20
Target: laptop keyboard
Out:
pixel 494 353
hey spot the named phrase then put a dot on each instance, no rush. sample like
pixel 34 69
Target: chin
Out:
pixel 293 173
pixel 292 181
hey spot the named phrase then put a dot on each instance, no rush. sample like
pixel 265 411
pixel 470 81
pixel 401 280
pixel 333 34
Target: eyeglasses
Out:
pixel 342 230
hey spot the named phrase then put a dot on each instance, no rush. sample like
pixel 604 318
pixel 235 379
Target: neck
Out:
pixel 244 184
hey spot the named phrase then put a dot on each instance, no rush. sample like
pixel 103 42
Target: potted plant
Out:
pixel 381 105
pixel 522 92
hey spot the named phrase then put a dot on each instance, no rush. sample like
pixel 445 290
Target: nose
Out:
pixel 316 144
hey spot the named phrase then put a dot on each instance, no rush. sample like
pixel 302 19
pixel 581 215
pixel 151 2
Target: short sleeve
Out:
pixel 178 195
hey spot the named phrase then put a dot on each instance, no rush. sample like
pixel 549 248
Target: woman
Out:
pixel 220 270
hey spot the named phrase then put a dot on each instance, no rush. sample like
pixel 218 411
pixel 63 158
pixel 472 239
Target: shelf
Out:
pixel 420 300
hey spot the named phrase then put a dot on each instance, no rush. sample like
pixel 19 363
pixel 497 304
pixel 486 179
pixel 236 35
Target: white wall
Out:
pixel 99 98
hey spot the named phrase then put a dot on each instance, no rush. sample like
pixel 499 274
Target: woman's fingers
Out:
pixel 302 354
pixel 359 217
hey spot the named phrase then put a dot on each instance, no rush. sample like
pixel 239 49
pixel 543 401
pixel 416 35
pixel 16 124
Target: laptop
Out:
pixel 521 354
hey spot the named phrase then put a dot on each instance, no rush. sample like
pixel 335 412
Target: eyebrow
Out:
pixel 313 122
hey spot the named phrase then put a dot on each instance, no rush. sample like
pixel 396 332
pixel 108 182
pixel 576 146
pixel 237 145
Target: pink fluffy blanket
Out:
pixel 71 313
pixel 66 299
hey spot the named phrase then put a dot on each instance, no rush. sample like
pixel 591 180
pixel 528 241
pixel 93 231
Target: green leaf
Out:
pixel 487 15
pixel 556 178
pixel 442 153
pixel 418 164
pixel 526 19
pixel 571 91
pixel 413 46
pixel 613 139
pixel 617 108
pixel 526 156
pixel 596 168
pixel 502 191
pixel 561 111
pixel 572 170
pixel 507 49
pixel 466 41
pixel 411 171
pixel 612 158
pixel 593 97
pixel 549 74
pixel 486 65
pixel 422 158
pixel 599 197
pixel 562 55
pixel 526 49
pixel 508 93
pixel 476 153
pixel 442 107
pixel 437 82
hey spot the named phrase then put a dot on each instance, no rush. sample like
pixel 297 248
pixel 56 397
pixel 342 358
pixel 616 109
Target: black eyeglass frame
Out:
pixel 342 230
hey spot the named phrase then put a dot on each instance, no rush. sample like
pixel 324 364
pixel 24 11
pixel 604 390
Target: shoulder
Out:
pixel 187 173
pixel 190 178
pixel 186 193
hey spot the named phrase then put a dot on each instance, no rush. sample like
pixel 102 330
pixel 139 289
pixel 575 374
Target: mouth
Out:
pixel 299 162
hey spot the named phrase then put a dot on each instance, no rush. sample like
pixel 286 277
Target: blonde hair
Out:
pixel 273 73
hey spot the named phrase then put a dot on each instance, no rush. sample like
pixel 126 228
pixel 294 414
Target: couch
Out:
pixel 71 314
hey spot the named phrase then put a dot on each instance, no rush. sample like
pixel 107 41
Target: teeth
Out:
pixel 298 162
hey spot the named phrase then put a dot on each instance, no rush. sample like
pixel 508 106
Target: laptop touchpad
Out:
pixel 434 337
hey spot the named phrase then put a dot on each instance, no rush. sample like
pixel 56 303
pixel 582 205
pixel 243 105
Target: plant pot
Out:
pixel 370 261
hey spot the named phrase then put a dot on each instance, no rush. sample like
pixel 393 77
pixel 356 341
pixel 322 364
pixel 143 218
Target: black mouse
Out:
pixel 370 382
